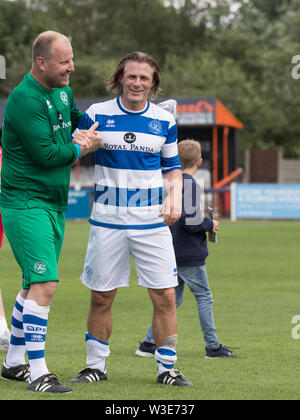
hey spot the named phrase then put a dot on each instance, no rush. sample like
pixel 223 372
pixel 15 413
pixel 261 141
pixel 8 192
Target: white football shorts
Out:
pixel 107 262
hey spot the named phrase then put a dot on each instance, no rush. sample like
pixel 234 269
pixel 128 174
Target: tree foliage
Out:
pixel 238 51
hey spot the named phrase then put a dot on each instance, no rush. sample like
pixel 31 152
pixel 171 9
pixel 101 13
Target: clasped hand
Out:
pixel 89 140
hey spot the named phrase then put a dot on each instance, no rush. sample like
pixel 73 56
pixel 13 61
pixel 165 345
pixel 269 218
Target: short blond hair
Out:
pixel 189 152
pixel 42 45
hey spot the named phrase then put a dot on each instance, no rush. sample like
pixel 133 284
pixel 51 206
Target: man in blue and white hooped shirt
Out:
pixel 138 194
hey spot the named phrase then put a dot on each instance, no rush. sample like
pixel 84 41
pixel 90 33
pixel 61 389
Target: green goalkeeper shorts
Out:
pixel 36 238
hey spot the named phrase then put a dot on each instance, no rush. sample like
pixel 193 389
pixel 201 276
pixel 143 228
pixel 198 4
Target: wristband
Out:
pixel 78 150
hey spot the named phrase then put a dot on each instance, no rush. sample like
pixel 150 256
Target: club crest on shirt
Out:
pixel 64 97
pixel 155 127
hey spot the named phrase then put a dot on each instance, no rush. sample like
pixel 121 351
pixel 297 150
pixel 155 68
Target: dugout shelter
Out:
pixel 216 128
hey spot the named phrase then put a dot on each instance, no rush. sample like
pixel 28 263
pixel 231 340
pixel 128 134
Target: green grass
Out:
pixel 254 276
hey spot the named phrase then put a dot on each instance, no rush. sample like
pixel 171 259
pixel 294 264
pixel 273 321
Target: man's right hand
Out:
pixel 215 226
pixel 89 140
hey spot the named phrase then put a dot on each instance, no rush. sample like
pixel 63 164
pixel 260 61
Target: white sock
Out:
pixel 35 320
pixel 166 358
pixel 97 352
pixel 16 351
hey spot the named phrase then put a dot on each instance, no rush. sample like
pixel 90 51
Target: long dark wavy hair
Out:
pixel 114 84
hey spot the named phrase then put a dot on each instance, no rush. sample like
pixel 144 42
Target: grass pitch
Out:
pixel 254 276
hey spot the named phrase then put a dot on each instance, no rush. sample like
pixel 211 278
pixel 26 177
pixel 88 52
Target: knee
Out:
pixel 205 297
pixel 51 289
pixel 42 293
pixel 164 299
pixel 102 300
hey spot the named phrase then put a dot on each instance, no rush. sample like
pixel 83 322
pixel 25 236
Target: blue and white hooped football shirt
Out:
pixel 138 148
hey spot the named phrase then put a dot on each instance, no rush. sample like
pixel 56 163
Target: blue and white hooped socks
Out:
pixel 16 351
pixel 35 321
pixel 166 358
pixel 97 352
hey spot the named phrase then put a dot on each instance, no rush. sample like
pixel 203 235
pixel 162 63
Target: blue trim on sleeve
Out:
pixel 85 122
pixel 78 150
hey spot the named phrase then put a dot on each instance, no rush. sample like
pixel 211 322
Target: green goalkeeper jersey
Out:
pixel 37 151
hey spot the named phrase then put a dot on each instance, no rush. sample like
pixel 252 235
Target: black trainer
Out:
pixel 48 383
pixel 90 375
pixel 174 378
pixel 221 351
pixel 17 373
pixel 146 349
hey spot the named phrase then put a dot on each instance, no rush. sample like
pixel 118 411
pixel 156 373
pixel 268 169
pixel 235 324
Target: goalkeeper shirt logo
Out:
pixel 64 98
pixel 40 267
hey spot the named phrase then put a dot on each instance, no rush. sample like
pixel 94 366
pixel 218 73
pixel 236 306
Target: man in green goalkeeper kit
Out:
pixel 40 116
